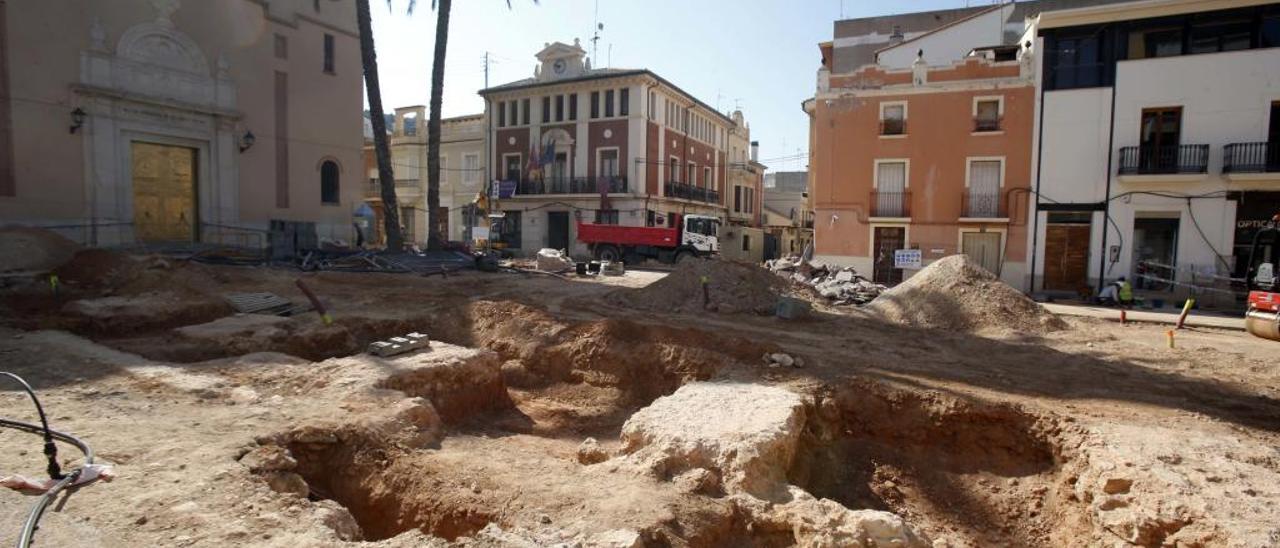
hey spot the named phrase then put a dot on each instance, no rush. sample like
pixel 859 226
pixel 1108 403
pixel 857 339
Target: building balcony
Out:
pixel 1251 158
pixel 676 189
pixel 575 185
pixel 892 127
pixel 1178 161
pixel 982 207
pixel 986 125
pixel 894 205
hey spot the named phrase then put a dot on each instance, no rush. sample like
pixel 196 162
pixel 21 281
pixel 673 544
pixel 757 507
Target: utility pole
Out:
pixel 484 172
pixel 595 37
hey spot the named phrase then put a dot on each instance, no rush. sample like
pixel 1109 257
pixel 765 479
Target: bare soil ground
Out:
pixel 1094 434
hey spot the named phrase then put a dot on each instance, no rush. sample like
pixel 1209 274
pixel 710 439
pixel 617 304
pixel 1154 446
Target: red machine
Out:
pixel 692 236
pixel 1263 317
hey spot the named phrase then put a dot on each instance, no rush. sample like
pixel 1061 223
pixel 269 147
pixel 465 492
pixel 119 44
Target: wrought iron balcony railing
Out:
pixel 1261 157
pixel 890 204
pixel 1170 159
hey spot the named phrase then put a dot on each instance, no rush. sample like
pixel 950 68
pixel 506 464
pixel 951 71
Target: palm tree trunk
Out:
pixel 434 238
pixel 386 179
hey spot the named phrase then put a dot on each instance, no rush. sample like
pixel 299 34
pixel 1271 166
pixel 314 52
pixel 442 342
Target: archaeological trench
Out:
pixel 547 420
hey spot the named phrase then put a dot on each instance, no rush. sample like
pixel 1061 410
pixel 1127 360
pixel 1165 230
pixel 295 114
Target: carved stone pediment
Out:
pixel 155 59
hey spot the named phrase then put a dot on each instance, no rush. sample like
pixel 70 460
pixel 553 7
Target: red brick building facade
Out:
pixel 559 140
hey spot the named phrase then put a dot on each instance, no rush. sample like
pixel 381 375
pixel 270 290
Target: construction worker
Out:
pixel 1116 293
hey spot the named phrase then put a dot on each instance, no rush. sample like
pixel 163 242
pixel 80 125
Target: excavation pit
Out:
pixel 371 481
pixel 986 472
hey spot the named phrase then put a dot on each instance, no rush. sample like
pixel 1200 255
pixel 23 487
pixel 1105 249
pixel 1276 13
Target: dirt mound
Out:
pixel 23 248
pixel 732 287
pixel 98 268
pixel 957 294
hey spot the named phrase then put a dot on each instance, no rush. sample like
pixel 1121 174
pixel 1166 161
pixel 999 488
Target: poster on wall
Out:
pixel 907 258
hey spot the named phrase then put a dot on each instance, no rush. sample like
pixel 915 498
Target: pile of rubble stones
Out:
pixel 839 285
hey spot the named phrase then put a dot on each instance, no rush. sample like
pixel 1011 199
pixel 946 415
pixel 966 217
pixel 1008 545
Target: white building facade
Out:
pixel 1157 133
pixel 461 173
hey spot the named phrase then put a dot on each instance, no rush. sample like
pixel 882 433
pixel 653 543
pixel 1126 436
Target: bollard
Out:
pixel 1123 318
pixel 1186 309
pixel 315 301
pixel 1169 335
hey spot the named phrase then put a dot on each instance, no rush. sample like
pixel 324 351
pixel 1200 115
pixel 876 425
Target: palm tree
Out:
pixel 434 238
pixel 442 7
pixel 386 179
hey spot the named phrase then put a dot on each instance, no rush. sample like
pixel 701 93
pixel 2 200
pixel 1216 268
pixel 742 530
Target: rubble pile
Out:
pixel 839 285
pixel 957 294
pixel 553 260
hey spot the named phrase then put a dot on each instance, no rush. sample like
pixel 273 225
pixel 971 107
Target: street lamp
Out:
pixel 77 119
pixel 247 140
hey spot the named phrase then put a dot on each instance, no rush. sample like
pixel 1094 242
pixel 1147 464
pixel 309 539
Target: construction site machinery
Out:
pixel 689 236
pixel 1262 319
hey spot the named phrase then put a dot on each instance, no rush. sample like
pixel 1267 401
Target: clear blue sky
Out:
pixel 760 55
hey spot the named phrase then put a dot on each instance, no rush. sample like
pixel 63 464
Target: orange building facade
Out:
pixel 930 158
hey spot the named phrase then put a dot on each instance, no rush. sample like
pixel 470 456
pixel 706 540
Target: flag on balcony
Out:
pixel 602 186
pixel 532 167
pixel 549 153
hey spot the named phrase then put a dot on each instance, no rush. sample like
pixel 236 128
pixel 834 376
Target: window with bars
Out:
pixel 987 115
pixel 982 198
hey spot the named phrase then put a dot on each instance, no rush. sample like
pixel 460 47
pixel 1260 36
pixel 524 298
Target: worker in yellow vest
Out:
pixel 1118 292
pixel 1126 292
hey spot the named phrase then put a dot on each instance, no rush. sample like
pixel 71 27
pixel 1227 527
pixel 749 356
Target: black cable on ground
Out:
pixel 50 449
pixel 32 523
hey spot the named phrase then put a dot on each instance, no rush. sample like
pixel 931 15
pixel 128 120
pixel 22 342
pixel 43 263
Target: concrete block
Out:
pixel 399 345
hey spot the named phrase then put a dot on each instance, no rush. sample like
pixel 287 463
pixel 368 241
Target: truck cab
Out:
pixel 701 233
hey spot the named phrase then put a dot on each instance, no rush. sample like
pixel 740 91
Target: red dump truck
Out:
pixel 692 236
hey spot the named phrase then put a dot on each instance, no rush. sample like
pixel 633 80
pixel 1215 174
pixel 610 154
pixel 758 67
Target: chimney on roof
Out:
pixel 755 151
pixel 920 70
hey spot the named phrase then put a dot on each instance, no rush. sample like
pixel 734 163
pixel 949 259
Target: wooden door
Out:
pixel 887 240
pixel 983 248
pixel 164 192
pixel 1066 256
pixel 1160 134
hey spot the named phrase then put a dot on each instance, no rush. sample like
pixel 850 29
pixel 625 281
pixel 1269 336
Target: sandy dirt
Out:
pixel 237 431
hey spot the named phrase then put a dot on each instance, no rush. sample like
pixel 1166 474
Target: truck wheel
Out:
pixel 682 256
pixel 608 253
